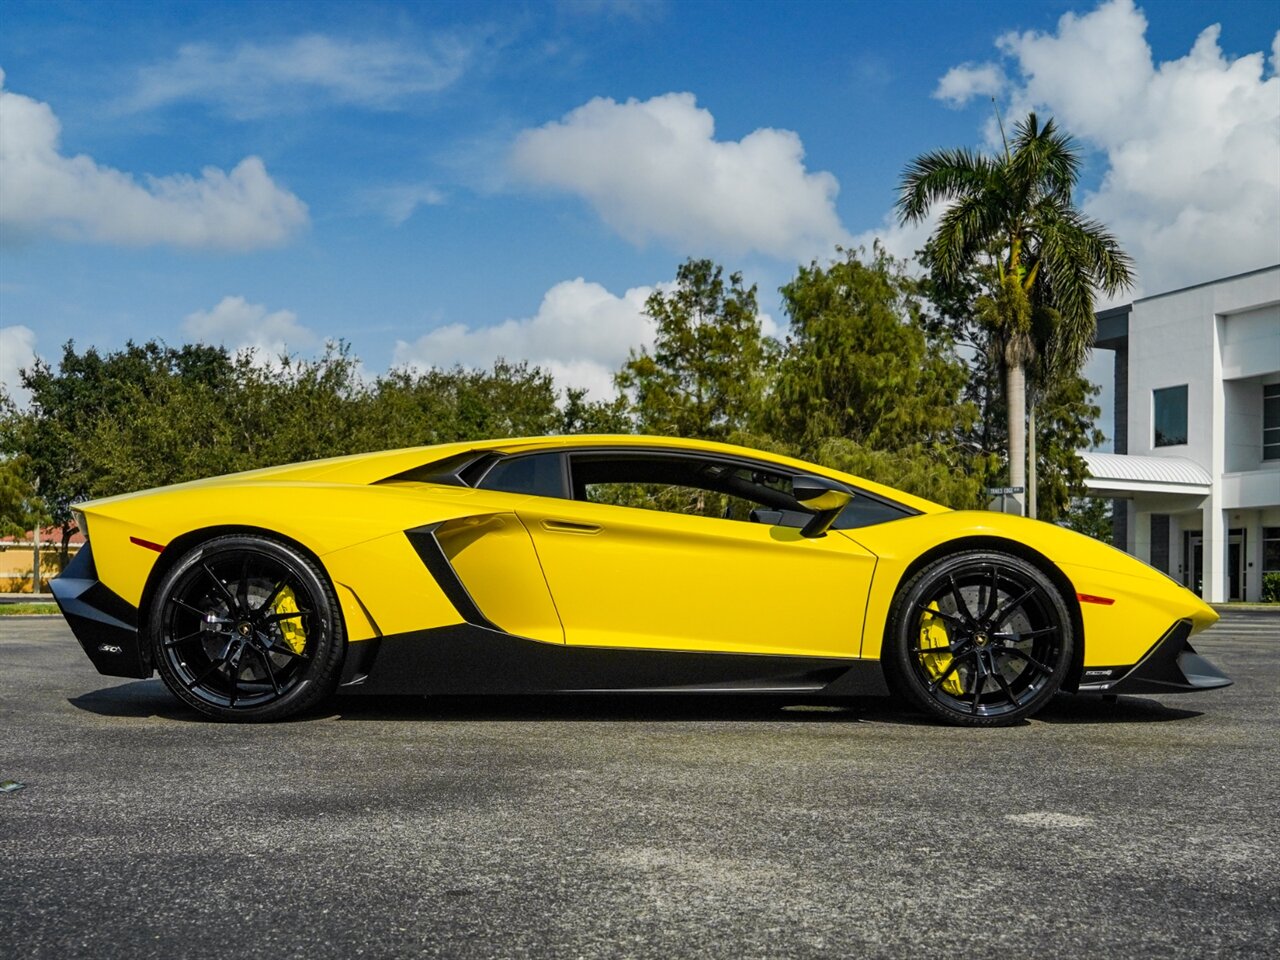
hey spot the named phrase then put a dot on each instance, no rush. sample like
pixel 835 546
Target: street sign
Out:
pixel 998 491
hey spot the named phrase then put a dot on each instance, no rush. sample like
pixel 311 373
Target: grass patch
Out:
pixel 17 609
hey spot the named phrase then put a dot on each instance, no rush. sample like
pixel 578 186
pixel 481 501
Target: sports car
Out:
pixel 609 564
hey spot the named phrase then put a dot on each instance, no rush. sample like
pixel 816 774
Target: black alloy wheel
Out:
pixel 980 638
pixel 246 628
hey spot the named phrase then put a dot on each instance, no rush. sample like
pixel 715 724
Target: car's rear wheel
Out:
pixel 980 638
pixel 246 628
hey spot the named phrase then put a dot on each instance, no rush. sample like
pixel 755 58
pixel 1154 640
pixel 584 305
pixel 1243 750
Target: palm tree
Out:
pixel 1011 218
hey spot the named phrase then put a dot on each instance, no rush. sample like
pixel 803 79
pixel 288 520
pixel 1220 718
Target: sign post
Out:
pixel 1006 499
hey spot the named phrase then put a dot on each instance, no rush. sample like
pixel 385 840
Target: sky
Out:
pixel 441 183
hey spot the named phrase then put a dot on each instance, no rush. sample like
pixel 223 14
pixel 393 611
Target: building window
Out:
pixel 1171 416
pixel 1270 564
pixel 1271 550
pixel 1271 421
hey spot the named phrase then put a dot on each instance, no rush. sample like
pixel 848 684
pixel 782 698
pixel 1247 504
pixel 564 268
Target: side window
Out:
pixel 538 474
pixel 670 498
pixel 863 511
pixel 709 488
pixel 684 485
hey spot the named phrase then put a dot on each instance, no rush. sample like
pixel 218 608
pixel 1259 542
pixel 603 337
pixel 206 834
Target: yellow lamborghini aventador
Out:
pixel 609 563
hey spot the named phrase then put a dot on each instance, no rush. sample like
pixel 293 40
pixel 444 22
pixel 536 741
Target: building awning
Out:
pixel 1122 473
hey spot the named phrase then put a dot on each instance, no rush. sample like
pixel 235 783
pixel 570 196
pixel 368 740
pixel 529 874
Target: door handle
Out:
pixel 569 526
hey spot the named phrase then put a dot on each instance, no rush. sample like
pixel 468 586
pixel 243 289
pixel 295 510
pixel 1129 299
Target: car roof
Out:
pixel 369 468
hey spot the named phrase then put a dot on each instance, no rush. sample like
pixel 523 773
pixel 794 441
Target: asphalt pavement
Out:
pixel 653 827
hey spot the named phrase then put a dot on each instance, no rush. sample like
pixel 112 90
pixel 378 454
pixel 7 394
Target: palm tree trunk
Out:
pixel 1031 458
pixel 1016 402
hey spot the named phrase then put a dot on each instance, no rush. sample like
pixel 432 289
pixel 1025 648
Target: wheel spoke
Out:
pixel 279 617
pixel 961 605
pixel 1026 635
pixel 978 684
pixel 286 650
pixel 1004 686
pixel 271 597
pixel 242 589
pixel 213 668
pixel 920 651
pixel 202 614
pixel 190 636
pixel 1001 615
pixel 951 668
pixel 222 587
pixel 994 597
pixel 1035 664
pixel 233 674
pixel 271 674
pixel 950 618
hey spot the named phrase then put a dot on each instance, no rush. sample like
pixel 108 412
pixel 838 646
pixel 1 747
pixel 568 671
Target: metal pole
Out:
pixel 35 555
pixel 35 541
pixel 1031 457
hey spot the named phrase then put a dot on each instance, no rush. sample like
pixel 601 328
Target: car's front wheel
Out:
pixel 246 628
pixel 979 638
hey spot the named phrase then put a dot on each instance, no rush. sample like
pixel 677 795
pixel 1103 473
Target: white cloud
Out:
pixel 899 240
pixel 653 170
pixel 1192 186
pixel 968 80
pixel 581 334
pixel 399 202
pixel 240 325
pixel 256 79
pixel 17 353
pixel 74 197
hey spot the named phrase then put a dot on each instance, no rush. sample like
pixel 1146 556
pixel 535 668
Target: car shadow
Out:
pixel 140 699
pixel 1067 708
pixel 144 699
pixel 593 707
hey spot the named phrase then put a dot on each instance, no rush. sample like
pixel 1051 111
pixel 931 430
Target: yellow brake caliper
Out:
pixel 933 633
pixel 291 628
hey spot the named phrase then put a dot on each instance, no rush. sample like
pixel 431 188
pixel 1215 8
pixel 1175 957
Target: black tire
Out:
pixel 246 628
pixel 979 638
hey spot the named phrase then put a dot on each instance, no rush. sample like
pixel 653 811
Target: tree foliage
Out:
pixel 862 383
pixel 859 365
pixel 147 415
pixel 1009 221
pixel 1066 413
pixel 705 374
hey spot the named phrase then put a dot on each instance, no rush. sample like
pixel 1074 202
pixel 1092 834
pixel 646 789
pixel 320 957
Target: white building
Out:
pixel 1196 468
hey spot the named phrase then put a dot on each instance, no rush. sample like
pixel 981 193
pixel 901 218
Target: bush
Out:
pixel 1271 587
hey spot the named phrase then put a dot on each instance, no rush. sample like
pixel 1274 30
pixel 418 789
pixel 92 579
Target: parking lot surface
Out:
pixel 653 827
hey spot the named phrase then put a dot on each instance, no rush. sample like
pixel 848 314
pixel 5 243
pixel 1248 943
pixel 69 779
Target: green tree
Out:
pixel 1067 413
pixel 1042 259
pixel 57 431
pixel 705 375
pixel 1090 516
pixel 21 508
pixel 580 415
pixel 865 384
pixel 411 407
pixel 859 364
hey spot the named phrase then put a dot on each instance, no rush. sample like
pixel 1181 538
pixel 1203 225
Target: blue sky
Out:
pixel 440 183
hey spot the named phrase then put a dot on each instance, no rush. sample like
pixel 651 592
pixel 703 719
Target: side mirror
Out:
pixel 826 498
